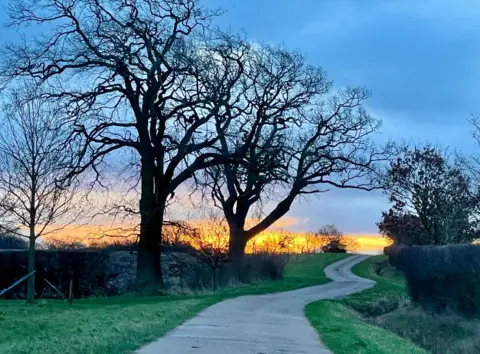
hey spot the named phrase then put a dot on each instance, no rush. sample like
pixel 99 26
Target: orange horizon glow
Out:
pixel 274 240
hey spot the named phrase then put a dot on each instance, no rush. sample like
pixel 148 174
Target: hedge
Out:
pixel 441 277
pixel 89 269
pixel 106 272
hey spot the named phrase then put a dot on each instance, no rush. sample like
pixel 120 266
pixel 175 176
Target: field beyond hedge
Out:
pixel 122 324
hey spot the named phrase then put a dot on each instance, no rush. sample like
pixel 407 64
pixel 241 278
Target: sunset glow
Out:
pixel 276 240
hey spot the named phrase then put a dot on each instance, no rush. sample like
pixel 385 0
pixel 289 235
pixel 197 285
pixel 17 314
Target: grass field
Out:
pixel 346 332
pixel 122 324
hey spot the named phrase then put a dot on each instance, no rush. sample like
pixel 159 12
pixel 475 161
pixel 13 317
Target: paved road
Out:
pixel 261 324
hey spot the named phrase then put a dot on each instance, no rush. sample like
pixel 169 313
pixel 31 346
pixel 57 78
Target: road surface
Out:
pixel 261 324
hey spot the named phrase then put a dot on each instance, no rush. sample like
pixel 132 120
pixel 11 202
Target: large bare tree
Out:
pixel 35 193
pixel 149 76
pixel 299 138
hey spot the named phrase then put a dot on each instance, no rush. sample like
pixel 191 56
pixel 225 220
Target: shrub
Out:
pixel 260 266
pixel 438 334
pixel 183 271
pixel 100 272
pixel 121 271
pixel 442 277
pixel 378 306
pixel 57 244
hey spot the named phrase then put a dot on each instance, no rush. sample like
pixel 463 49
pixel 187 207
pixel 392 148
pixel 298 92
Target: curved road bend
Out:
pixel 261 324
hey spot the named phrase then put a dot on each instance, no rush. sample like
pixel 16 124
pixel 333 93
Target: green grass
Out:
pixel 343 330
pixel 389 284
pixel 445 333
pixel 122 324
pixel 306 270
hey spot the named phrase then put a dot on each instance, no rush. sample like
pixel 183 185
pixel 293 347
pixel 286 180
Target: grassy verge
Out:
pixel 345 331
pixel 122 324
pixel 381 320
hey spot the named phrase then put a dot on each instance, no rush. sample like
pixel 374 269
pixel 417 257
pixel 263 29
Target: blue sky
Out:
pixel 420 59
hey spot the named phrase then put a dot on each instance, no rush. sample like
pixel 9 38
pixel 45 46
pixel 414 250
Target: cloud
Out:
pixel 290 222
pixel 339 19
pixel 352 211
pixel 451 131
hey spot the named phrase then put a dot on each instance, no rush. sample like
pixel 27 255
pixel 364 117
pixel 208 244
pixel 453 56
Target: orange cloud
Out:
pixel 288 221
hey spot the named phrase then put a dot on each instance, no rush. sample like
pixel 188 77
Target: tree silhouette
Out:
pixel 299 138
pixel 148 76
pixel 36 189
pixel 431 198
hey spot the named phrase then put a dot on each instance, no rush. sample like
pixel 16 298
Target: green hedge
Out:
pixel 88 267
pixel 441 277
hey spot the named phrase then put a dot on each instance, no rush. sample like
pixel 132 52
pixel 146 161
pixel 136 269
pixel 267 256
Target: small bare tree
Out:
pixel 313 242
pixel 277 242
pixel 329 234
pixel 211 244
pixel 34 194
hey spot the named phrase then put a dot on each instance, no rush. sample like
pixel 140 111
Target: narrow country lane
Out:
pixel 261 324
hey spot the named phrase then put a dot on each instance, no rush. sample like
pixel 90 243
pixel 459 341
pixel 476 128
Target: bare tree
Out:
pixel 313 242
pixel 34 193
pixel 211 244
pixel 152 77
pixel 329 235
pixel 299 139
pixel 278 242
pixel 472 162
pixel 149 76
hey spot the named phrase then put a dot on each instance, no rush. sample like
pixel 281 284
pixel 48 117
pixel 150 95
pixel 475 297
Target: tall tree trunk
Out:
pixel 239 236
pixel 31 266
pixel 237 243
pixel 149 272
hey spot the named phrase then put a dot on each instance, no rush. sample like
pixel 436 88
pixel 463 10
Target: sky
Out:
pixel 420 59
